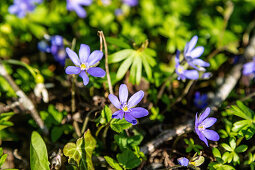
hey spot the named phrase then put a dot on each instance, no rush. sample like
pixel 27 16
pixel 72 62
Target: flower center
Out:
pixel 201 127
pixel 125 108
pixel 180 69
pixel 83 66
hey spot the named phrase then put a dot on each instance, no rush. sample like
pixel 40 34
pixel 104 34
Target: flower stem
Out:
pixel 103 41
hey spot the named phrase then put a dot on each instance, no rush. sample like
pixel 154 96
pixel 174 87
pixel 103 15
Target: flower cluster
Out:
pixel 22 7
pixel 201 125
pixel 84 64
pixel 191 56
pixel 126 107
pixel 76 5
pixel 56 48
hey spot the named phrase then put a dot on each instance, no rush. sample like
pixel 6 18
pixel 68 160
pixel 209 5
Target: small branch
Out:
pixel 9 107
pixel 102 39
pixel 23 99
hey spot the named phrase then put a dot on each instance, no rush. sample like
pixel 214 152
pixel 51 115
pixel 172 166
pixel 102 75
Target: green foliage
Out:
pixel 118 125
pixel 246 126
pixel 2 157
pixel 155 114
pixel 38 153
pixel 192 146
pixel 128 159
pixel 4 120
pixel 220 163
pixel 113 163
pixel 81 151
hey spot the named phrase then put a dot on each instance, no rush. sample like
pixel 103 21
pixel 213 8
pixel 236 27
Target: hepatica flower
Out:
pixel 57 49
pixel 192 54
pixel 249 68
pixel 22 7
pixel 76 5
pixel 84 63
pixel 126 107
pixel 183 161
pixel 201 125
pixel 183 73
pixel 130 3
pixel 200 100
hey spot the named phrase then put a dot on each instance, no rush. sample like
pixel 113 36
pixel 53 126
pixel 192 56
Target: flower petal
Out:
pixel 200 63
pixel 138 112
pixel 118 114
pixel 114 100
pixel 94 57
pixel 183 161
pixel 211 135
pixel 123 93
pixel 73 70
pixel 96 72
pixel 130 119
pixel 197 52
pixel 191 74
pixel 84 53
pixel 202 137
pixel 135 99
pixel 84 77
pixel 79 11
pixel 192 43
pixel 73 56
pixel 196 121
pixel 204 115
pixel 248 68
pixel 208 122
pixel 84 2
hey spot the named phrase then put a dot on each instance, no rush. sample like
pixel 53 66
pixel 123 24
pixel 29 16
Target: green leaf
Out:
pixel 38 153
pixel 90 145
pixel 216 152
pixel 199 161
pixel 119 125
pixel 117 42
pixel 232 143
pixel 226 147
pixel 106 115
pixel 120 55
pixel 124 68
pixel 2 159
pixel 128 159
pixel 56 133
pixel 114 164
pixel 237 126
pixel 241 148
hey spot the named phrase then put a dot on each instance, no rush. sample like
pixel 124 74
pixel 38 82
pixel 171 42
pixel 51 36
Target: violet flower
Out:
pixel 126 108
pixel 57 49
pixel 76 5
pixel 201 123
pixel 84 63
pixel 200 101
pixel 249 68
pixel 182 73
pixel 22 7
pixel 191 54
pixel 183 161
pixel 130 3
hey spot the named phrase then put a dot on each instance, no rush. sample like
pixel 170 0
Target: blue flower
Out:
pixel 200 101
pixel 249 68
pixel 85 63
pixel 22 7
pixel 182 73
pixel 130 2
pixel 183 161
pixel 191 54
pixel 126 107
pixel 57 49
pixel 201 125
pixel 76 5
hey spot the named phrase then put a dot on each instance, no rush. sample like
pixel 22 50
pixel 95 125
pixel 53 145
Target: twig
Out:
pixel 9 107
pixel 102 39
pixel 23 99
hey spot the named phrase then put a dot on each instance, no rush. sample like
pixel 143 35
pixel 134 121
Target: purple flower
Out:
pixel 191 54
pixel 43 46
pixel 118 12
pixel 183 161
pixel 130 2
pixel 22 7
pixel 249 68
pixel 200 101
pixel 127 108
pixel 202 123
pixel 84 63
pixel 182 73
pixel 76 5
pixel 57 49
